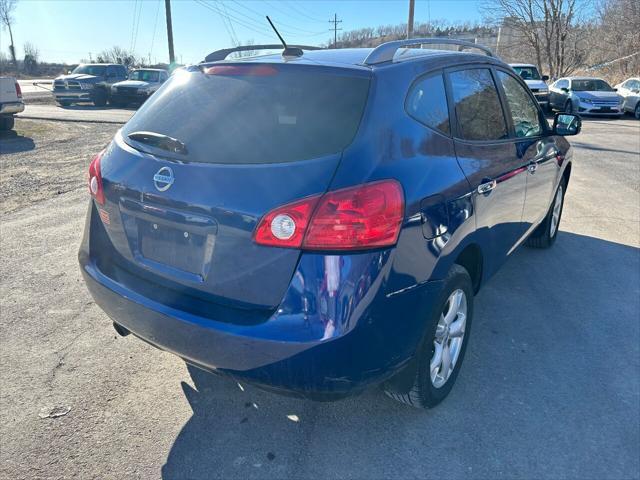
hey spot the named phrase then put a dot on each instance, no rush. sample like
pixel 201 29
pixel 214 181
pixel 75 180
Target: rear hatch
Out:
pixel 191 174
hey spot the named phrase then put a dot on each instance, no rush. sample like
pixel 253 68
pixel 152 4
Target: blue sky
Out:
pixel 67 30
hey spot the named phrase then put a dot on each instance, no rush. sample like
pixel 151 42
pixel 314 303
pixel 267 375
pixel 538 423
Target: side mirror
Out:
pixel 635 90
pixel 615 89
pixel 566 124
pixel 565 89
pixel 545 78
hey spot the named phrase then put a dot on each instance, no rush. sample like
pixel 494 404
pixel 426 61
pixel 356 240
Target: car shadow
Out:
pixel 12 142
pixel 601 149
pixel 538 383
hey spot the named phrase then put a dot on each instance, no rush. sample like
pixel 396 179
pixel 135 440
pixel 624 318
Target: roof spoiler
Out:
pixel 225 52
pixel 386 51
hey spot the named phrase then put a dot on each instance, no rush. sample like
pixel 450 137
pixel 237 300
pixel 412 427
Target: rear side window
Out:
pixel 256 113
pixel 477 105
pixel 427 103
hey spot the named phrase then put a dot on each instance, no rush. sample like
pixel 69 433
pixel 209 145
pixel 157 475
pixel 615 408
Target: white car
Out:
pixel 10 102
pixel 537 83
pixel 140 85
pixel 630 91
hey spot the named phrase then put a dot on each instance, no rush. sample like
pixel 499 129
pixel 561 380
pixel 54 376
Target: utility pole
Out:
pixel 335 22
pixel 167 7
pixel 412 4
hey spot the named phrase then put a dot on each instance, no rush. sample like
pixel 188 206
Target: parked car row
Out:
pixel 582 95
pixel 107 83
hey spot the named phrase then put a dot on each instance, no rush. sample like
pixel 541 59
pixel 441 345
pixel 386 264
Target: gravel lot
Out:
pixel 44 159
pixel 550 386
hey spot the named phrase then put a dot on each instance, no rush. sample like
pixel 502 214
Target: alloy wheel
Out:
pixel 449 337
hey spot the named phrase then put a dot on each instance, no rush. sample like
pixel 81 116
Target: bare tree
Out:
pixel 550 28
pixel 615 37
pixel 246 53
pixel 31 57
pixel 6 18
pixel 119 55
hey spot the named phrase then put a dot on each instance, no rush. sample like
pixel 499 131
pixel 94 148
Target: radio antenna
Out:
pixel 288 51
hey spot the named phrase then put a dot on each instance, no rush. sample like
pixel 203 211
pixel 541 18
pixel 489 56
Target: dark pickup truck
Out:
pixel 88 83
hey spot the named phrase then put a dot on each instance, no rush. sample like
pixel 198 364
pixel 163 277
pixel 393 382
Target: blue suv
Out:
pixel 318 222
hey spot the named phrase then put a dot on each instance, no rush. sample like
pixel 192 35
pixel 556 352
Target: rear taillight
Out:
pixel 361 217
pixel 95 179
pixel 18 90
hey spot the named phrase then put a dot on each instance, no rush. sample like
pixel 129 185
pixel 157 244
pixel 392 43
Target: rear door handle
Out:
pixel 485 188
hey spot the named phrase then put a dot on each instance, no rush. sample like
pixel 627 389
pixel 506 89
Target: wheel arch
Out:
pixel 471 259
pixel 566 175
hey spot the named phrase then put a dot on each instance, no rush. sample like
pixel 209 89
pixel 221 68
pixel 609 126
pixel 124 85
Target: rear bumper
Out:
pixel 314 344
pixel 128 97
pixel 11 108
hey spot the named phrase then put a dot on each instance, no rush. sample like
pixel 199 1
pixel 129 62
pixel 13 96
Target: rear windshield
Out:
pixel 256 113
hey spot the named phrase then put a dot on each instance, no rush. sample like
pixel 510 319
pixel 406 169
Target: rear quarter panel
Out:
pixel 391 144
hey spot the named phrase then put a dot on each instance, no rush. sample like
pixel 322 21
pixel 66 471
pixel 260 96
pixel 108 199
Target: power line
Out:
pixel 253 12
pixel 260 23
pixel 135 38
pixel 248 27
pixel 295 9
pixel 335 29
pixel 133 25
pixel 155 24
pixel 234 40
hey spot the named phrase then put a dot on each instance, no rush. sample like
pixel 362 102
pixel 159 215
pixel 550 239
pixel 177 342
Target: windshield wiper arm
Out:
pixel 159 140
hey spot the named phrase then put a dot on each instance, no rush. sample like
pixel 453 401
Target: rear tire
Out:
pixel 100 99
pixel 448 330
pixel 545 235
pixel 6 122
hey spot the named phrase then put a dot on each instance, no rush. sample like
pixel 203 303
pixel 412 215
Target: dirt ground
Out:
pixel 550 386
pixel 41 159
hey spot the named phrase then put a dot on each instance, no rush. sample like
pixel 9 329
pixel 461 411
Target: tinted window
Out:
pixel 97 70
pixel 427 103
pixel 478 111
pixel 256 113
pixel 524 111
pixel 144 75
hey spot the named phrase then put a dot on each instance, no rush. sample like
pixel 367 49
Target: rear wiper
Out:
pixel 159 140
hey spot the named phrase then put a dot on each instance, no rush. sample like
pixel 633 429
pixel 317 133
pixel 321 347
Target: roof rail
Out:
pixel 386 51
pixel 225 52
